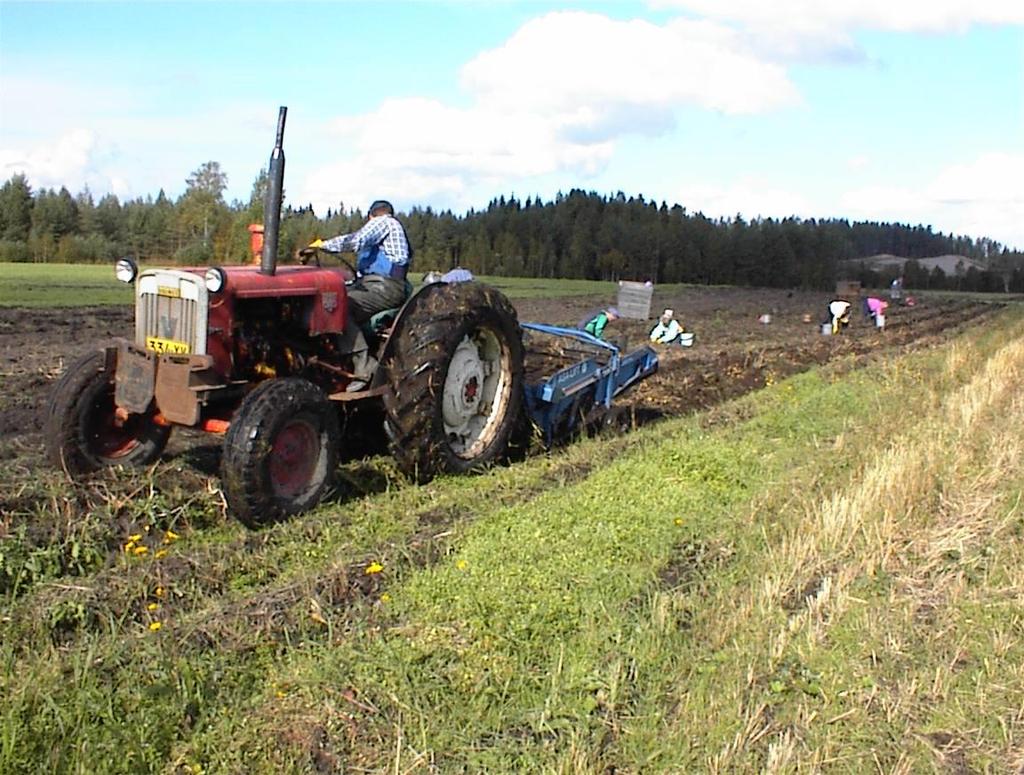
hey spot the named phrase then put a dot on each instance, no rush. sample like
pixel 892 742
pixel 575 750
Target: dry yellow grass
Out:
pixel 932 493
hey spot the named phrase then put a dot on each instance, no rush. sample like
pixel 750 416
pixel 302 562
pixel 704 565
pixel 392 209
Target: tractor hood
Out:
pixel 249 282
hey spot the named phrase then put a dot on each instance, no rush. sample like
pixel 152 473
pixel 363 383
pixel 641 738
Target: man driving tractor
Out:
pixel 383 256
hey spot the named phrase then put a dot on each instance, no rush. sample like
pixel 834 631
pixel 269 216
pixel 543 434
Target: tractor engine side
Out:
pixel 197 350
pixel 271 339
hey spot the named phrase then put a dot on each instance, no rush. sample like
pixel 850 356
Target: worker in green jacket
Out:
pixel 596 324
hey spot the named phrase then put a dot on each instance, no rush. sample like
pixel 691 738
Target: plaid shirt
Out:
pixel 380 246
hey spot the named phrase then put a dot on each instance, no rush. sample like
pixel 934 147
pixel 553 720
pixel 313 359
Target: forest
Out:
pixel 581 234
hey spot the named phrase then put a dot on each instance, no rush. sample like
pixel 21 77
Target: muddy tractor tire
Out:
pixel 280 451
pixel 83 432
pixel 455 378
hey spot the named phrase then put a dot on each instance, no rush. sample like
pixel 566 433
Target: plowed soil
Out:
pixel 733 354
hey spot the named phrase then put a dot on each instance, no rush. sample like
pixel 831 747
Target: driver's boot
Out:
pixel 363 367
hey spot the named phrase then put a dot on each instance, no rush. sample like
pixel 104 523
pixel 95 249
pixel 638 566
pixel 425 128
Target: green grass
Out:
pixel 61 285
pixel 821 575
pixel 540 288
pixel 74 285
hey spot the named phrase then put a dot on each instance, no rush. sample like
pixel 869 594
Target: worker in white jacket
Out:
pixel 838 314
pixel 667 330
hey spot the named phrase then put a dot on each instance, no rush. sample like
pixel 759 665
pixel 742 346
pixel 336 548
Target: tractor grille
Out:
pixel 171 311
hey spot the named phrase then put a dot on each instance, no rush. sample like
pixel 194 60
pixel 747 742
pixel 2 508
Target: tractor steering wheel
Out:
pixel 313 254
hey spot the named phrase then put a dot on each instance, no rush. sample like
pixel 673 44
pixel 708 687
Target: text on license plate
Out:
pixel 158 345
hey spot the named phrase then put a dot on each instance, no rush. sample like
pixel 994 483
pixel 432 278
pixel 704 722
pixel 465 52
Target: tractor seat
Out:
pixel 379 323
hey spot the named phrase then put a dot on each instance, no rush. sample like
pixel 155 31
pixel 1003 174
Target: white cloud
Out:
pixel 565 61
pixel 480 140
pixel 817 29
pixel 992 179
pixel 748 196
pixel 451 151
pixel 858 162
pixel 980 198
pixel 357 182
pixel 112 139
pixel 66 161
pixel 901 16
pixel 554 98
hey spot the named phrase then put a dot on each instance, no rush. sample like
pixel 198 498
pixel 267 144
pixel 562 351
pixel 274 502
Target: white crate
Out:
pixel 634 300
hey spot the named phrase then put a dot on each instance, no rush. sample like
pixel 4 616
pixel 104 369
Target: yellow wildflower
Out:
pixel 374 567
pixel 679 520
pixel 170 535
pixel 134 537
pixel 129 546
pixel 461 564
pixel 315 613
pixel 154 626
pixel 152 606
pixel 159 592
pixel 385 598
pixel 140 550
pixel 160 553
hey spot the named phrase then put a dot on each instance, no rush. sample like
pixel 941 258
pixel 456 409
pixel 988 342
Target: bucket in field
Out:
pixel 880 320
pixel 826 329
pixel 686 339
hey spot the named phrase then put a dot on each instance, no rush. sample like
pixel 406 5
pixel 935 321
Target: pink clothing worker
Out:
pixel 876 306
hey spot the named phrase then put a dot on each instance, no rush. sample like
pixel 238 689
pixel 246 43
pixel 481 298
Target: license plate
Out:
pixel 159 345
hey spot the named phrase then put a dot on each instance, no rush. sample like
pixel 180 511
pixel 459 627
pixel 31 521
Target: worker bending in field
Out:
pixel 667 330
pixel 596 323
pixel 873 307
pixel 838 314
pixel 383 257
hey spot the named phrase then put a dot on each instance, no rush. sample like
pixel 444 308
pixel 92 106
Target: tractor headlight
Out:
pixel 126 270
pixel 215 279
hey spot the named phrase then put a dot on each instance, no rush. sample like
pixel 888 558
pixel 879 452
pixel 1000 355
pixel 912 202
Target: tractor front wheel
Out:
pixel 84 432
pixel 280 451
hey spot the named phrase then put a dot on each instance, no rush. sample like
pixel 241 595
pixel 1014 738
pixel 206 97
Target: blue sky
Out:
pixel 892 110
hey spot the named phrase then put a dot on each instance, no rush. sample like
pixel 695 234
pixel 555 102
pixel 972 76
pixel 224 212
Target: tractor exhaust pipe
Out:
pixel 272 204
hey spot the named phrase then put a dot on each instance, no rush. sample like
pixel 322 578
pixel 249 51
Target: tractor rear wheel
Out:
pixel 455 374
pixel 83 430
pixel 280 451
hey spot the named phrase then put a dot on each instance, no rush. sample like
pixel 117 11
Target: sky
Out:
pixel 908 111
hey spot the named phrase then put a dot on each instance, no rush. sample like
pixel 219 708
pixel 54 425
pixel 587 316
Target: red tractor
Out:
pixel 252 352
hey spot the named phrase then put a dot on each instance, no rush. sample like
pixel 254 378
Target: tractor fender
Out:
pixel 404 313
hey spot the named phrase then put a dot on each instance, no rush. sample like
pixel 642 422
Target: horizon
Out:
pixel 863 112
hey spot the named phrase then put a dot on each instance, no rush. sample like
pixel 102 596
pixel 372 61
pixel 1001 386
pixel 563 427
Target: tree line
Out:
pixel 581 234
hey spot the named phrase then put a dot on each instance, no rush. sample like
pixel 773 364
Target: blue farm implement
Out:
pixel 580 395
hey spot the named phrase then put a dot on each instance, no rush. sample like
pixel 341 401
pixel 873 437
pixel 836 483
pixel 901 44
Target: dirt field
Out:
pixel 734 353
